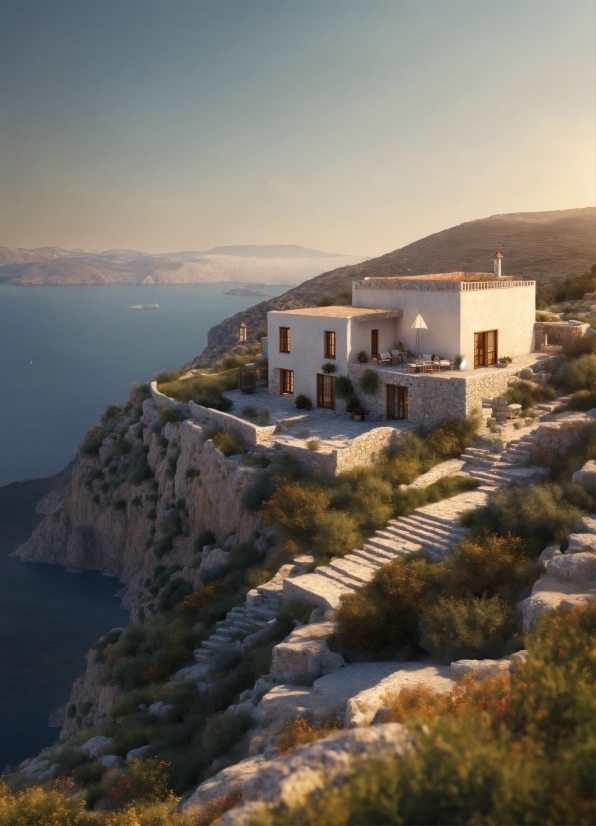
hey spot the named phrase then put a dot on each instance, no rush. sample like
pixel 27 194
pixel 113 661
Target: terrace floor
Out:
pixel 517 363
pixel 332 429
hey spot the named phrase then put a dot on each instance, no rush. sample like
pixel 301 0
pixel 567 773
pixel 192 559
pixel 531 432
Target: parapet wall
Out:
pixel 557 332
pixel 250 433
pixel 361 451
pixel 161 400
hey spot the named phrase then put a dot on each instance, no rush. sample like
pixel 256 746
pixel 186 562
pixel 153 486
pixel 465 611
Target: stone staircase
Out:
pixel 240 622
pixel 433 528
pixel 494 470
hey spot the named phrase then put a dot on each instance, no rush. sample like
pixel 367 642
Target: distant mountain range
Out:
pixel 266 264
pixel 543 246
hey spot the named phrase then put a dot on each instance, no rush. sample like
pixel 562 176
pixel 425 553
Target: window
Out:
pixel 284 339
pixel 325 391
pixel 329 344
pixel 485 348
pixel 374 344
pixel 287 381
pixel 397 402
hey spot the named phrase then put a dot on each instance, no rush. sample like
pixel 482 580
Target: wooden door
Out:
pixel 485 348
pixel 374 343
pixel 325 391
pixel 397 402
pixel 287 381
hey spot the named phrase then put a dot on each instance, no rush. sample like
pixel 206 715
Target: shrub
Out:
pixel 112 411
pixel 583 400
pixel 93 441
pixel 167 414
pixel 303 402
pixel 453 629
pixel 119 505
pixel 222 403
pixel 229 443
pixel 164 546
pixel 296 733
pixel 336 535
pixel 250 411
pixel 313 444
pixel 579 374
pixel 463 603
pixel 36 805
pixel 362 356
pixel 541 514
pixel 329 367
pixel 344 388
pixel 263 417
pixel 256 460
pixel 260 334
pixel 369 382
pixel 222 731
pixel 527 394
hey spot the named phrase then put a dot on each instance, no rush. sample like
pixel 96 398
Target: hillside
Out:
pixel 265 264
pixel 545 246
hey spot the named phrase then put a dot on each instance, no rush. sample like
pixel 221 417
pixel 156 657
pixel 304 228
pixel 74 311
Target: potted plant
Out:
pixel 458 361
pixel 504 361
pixel 362 357
pixel 358 414
pixel 328 367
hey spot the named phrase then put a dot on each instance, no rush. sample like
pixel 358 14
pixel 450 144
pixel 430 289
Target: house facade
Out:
pixel 478 316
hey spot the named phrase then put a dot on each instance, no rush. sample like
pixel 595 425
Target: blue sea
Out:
pixel 65 354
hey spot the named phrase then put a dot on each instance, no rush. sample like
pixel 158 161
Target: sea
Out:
pixel 66 352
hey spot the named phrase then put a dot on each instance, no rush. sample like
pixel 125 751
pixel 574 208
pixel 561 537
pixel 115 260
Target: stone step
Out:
pixel 424 536
pixel 491 480
pixel 391 544
pixel 316 588
pixel 430 529
pixel 367 558
pixel 214 645
pixel 342 579
pixel 426 543
pixel 383 555
pixel 359 571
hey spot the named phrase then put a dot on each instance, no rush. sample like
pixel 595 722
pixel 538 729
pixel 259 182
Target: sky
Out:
pixel 351 126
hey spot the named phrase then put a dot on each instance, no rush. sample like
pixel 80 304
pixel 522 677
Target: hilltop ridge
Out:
pixel 544 246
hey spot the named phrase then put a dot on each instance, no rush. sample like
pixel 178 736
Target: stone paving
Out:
pixel 332 428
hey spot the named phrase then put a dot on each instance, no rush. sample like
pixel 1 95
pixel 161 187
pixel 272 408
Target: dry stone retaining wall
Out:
pixel 557 332
pixel 161 400
pixel 251 434
pixel 557 438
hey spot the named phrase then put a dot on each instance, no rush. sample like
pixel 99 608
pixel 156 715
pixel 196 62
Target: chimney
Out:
pixel 497 257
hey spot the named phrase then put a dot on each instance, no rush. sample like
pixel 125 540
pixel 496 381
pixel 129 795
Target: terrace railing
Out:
pixel 493 285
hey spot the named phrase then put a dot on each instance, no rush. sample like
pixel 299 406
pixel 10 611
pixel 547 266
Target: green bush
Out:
pixel 119 505
pixel 336 534
pixel 343 387
pixel 167 414
pixel 541 514
pixel 112 411
pixel 527 394
pixel 250 411
pixel 222 731
pixel 583 400
pixel 230 444
pixel 303 402
pixel 362 356
pixel 462 604
pixel 578 374
pixel 313 444
pixel 263 417
pixel 369 382
pixel 329 367
pixel 93 441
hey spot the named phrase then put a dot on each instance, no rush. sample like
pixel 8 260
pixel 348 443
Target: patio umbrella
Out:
pixel 419 324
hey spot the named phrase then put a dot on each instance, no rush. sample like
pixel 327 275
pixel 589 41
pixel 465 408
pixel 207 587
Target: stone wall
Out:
pixel 250 433
pixel 557 332
pixel 433 398
pixel 363 450
pixel 265 347
pixel 555 439
pixel 161 400
pixel 274 381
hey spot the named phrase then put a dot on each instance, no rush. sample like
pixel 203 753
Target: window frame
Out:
pixel 286 388
pixel 330 344
pixel 285 340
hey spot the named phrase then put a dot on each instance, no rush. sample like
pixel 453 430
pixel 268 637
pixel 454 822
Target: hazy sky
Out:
pixel 353 126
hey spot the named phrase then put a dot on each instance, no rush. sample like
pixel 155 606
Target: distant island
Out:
pixel 145 307
pixel 245 291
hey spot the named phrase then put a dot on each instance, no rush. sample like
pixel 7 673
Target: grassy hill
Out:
pixel 545 246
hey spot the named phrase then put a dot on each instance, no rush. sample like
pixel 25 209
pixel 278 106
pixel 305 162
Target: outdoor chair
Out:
pixel 398 355
pixel 384 358
pixel 445 363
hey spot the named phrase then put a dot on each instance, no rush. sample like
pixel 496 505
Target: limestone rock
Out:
pixel 579 568
pixel 288 780
pixel 160 709
pixel 587 524
pixel 139 753
pixel 548 554
pixel 35 767
pixel 111 761
pixel 304 654
pixel 581 542
pixel 586 476
pixel 96 744
pixel 212 560
pixel 526 373
pixel 223 783
pixel 361 709
pixel 480 668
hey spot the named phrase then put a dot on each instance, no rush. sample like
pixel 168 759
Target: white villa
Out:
pixel 410 329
